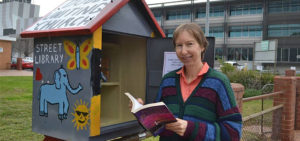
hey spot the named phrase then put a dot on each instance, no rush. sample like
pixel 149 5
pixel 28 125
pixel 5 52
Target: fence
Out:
pixel 259 126
pixel 286 119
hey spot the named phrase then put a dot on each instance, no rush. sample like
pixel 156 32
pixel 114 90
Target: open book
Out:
pixel 152 116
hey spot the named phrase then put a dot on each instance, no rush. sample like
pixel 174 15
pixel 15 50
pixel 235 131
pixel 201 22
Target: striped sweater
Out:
pixel 211 110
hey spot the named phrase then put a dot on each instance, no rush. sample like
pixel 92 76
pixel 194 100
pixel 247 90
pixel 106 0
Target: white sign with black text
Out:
pixel 171 62
pixel 1 49
pixel 71 14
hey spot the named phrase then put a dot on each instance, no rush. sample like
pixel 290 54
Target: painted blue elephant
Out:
pixel 57 94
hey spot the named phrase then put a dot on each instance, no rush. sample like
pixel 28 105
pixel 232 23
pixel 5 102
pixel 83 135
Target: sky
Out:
pixel 47 6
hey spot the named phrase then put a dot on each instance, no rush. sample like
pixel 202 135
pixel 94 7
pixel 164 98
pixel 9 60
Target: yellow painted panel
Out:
pixel 152 35
pixel 97 38
pixel 95 115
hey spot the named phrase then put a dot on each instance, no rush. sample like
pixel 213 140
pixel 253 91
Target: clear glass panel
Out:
pixel 219 53
pixel 252 30
pixel 245 32
pixel 235 31
pixel 238 53
pixel 169 32
pixel 279 54
pixel 293 54
pixel 201 14
pixel 253 10
pixel 239 11
pixel 232 13
pixel 245 54
pixel 285 54
pixel 284 30
pixel 250 54
pixel 230 55
pixel 284 6
pixel 171 15
pixel 245 10
pixel 185 14
pixel 298 54
pixel 157 16
pixel 258 33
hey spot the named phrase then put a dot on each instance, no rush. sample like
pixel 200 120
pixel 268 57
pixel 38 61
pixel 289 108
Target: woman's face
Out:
pixel 188 49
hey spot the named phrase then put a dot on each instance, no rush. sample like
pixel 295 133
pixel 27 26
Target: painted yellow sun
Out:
pixel 81 115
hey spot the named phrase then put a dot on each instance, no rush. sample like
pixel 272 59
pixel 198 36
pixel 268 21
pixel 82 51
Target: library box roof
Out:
pixel 82 17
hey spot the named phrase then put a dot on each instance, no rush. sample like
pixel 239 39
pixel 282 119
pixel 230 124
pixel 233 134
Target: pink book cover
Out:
pixel 151 116
pixel 155 117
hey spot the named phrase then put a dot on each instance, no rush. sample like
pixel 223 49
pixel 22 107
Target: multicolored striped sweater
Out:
pixel 211 110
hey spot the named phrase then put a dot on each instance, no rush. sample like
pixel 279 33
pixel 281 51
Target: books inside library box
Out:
pixel 153 116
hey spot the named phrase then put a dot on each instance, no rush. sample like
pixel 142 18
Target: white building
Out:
pixel 16 16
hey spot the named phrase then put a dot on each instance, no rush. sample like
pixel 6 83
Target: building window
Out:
pixel 250 54
pixel 235 31
pixel 279 54
pixel 217 32
pixel 298 55
pixel 293 55
pixel 240 54
pixel 284 6
pixel 217 11
pixel 237 53
pixel 169 32
pixel 157 16
pixel 244 54
pixel 247 9
pixel 288 54
pixel 230 55
pixel 283 30
pixel 9 31
pixel 178 14
pixel 285 54
pixel 245 31
pixel 218 53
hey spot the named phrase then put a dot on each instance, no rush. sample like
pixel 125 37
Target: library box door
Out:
pixel 155 60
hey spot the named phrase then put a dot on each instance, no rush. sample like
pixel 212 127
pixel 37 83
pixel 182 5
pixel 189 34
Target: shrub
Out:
pixel 249 78
pixel 251 92
pixel 226 68
pixel 267 78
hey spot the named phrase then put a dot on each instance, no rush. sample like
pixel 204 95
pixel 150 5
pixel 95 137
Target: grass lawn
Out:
pixel 15 109
pixel 16 105
pixel 254 106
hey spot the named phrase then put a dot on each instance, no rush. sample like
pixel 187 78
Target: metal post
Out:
pixel 192 11
pixel 207 19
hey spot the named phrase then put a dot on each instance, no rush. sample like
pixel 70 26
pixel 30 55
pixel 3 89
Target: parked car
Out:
pixel 235 64
pixel 28 59
pixel 26 63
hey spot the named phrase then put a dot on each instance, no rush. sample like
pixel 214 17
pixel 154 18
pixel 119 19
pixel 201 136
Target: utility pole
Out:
pixel 207 19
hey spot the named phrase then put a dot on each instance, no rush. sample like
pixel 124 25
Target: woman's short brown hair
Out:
pixel 194 30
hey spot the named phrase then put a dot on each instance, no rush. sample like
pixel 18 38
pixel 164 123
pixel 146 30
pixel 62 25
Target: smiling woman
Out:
pixel 200 97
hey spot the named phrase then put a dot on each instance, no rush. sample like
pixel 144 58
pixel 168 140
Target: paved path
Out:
pixel 16 72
